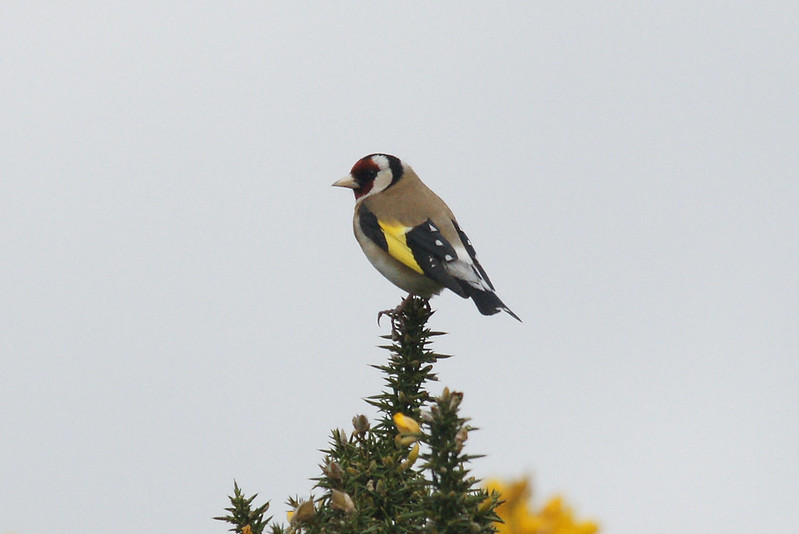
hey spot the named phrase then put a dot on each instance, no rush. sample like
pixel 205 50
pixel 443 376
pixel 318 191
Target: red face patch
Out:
pixel 363 190
pixel 364 166
pixel 364 172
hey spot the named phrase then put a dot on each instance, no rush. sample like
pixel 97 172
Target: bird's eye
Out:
pixel 365 171
pixel 366 175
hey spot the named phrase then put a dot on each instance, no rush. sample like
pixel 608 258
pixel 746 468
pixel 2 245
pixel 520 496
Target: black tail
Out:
pixel 487 301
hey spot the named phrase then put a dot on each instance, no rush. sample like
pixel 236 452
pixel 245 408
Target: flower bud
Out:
pixel 455 400
pixel 304 512
pixel 361 424
pixel 460 437
pixel 485 505
pixel 334 473
pixel 341 501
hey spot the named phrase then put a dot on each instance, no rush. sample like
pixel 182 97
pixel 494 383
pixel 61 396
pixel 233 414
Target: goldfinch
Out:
pixel 412 237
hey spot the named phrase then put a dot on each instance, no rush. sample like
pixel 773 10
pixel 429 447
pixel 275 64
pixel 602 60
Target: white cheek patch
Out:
pixel 382 180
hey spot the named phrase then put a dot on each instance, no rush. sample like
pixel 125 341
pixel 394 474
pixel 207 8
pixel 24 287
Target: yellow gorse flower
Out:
pixel 555 517
pixel 412 456
pixel 406 425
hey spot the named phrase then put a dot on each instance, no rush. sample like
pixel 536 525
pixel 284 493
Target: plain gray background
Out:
pixel 183 301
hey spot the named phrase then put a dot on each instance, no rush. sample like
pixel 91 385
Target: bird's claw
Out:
pixel 395 314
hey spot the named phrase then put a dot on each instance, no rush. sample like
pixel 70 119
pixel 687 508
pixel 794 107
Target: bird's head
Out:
pixel 372 174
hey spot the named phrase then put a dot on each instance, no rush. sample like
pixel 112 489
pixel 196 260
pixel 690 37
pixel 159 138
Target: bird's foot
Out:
pixel 395 314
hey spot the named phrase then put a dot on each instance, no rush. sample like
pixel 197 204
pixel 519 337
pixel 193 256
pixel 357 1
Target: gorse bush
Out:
pixel 405 472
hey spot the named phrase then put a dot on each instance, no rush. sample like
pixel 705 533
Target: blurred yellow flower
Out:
pixel 555 517
pixel 412 456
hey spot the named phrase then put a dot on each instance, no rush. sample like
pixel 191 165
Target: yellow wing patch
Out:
pixel 398 246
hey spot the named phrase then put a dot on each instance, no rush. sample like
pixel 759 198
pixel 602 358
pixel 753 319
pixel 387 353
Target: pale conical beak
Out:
pixel 347 181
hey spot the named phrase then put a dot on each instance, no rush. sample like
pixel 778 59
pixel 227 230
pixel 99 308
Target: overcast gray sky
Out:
pixel 183 301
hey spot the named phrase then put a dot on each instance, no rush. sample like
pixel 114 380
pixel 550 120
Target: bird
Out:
pixel 411 236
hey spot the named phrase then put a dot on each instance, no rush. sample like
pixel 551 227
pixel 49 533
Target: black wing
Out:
pixel 432 251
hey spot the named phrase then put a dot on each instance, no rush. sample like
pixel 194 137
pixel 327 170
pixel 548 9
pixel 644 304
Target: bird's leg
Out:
pixel 395 314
